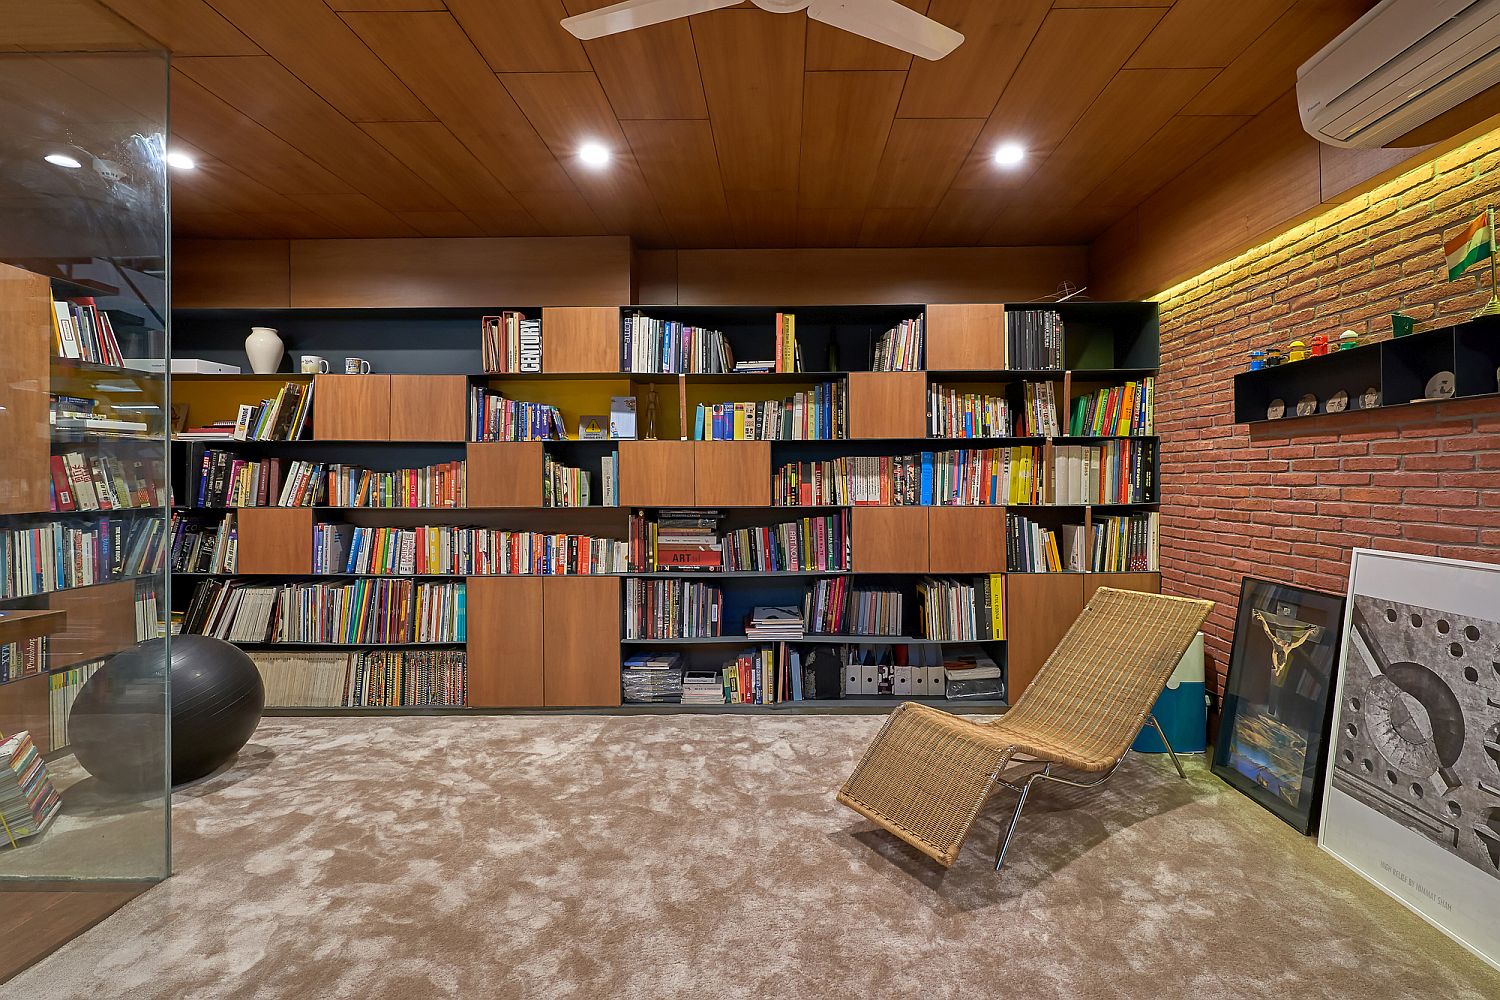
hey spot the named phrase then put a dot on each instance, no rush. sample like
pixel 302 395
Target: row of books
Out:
pixel 23 658
pixel 361 611
pixel 204 547
pixel 106 482
pixel 961 610
pixel 672 609
pixel 444 550
pixel 655 345
pixel 818 544
pixel 566 486
pixel 954 414
pixel 429 486
pixel 1105 473
pixel 676 539
pixel 1126 543
pixel 58 555
pixel 1037 416
pixel 963 477
pixel 815 414
pixel 833 608
pixel 149 621
pixel 1033 339
pixel 28 799
pixel 788 356
pixel 899 349
pixel 281 418
pixel 366 679
pixel 63 687
pixel 1121 410
pixel 1031 548
pixel 83 331
pixel 510 343
pixel 492 417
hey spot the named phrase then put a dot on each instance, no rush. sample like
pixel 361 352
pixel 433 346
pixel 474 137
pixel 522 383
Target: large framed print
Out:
pixel 1413 795
pixel 1273 736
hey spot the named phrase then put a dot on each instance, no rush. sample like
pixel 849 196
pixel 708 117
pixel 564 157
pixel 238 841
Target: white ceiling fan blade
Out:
pixel 637 14
pixel 889 23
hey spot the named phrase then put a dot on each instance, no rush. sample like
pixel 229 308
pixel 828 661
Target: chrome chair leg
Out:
pixel 1010 829
pixel 1166 743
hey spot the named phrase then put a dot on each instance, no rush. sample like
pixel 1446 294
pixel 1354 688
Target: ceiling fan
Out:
pixel 885 21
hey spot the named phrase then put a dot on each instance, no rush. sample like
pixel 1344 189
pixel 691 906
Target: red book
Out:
pixel 62 493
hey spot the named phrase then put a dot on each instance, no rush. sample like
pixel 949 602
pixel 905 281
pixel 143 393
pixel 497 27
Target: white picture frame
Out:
pixel 1409 788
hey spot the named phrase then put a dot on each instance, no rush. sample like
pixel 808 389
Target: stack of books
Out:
pixel 816 414
pixel 80 413
pixel 652 678
pixel 954 414
pixel 819 543
pixel 492 417
pixel 28 800
pixel 81 330
pixel 1033 339
pixel 782 621
pixel 1122 410
pixel 702 687
pixel 754 367
pixel 686 540
pixel 672 609
pixel 509 343
pixel 899 349
pixel 104 482
pixel 653 345
pixel 875 611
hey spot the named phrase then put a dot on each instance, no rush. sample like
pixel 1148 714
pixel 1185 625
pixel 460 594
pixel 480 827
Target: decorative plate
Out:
pixel 1307 405
pixel 1441 386
pixel 1338 402
pixel 1276 410
pixel 1369 399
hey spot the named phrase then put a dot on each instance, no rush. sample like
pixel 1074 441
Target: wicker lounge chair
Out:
pixel 928 773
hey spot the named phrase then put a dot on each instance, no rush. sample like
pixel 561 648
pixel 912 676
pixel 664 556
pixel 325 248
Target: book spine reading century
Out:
pixel 441 550
pixel 1033 339
pixel 199 547
pixel 899 349
pixel 104 482
pixel 672 609
pixel 366 679
pixel 808 544
pixel 439 485
pixel 966 477
pixel 1126 544
pixel 816 414
pixel 654 345
pixel 1121 410
pixel 362 611
pixel 510 343
pixel 57 556
pixel 954 414
pixel 492 417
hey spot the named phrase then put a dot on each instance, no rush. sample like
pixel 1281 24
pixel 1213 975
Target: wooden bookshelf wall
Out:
pixel 556 641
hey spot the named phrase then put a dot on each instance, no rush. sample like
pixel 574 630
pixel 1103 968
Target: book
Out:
pixel 510 343
pixel 812 414
pixel 622 418
pixel 28 799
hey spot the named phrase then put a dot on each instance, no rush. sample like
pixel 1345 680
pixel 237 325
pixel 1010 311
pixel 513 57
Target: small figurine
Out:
pixel 1257 360
pixel 1348 340
pixel 1402 326
pixel 1297 351
pixel 1274 357
pixel 1319 344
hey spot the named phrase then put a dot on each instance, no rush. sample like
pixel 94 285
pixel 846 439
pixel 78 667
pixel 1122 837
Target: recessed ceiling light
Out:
pixel 62 160
pixel 181 161
pixel 1008 154
pixel 595 154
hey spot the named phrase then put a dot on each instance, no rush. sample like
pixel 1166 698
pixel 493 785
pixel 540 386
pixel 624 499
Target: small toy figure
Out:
pixel 1297 351
pixel 1274 357
pixel 1319 345
pixel 1257 360
pixel 1348 340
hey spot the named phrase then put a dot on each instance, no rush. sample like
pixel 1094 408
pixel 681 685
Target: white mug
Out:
pixel 311 364
pixel 356 366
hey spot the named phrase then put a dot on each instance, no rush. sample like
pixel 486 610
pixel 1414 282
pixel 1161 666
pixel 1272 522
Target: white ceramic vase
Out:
pixel 264 349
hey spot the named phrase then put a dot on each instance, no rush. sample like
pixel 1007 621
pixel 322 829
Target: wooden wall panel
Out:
pixel 231 274
pixel 275 539
pixel 479 272
pixel 101 621
pixel 966 539
pixel 25 381
pixel 1039 610
pixel 889 540
pixel 581 641
pixel 581 339
pixel 428 407
pixel 505 642
pixel 504 474
pixel 966 336
pixel 887 404
pixel 732 473
pixel 656 474
pixel 24 705
pixel 352 408
pixel 1149 583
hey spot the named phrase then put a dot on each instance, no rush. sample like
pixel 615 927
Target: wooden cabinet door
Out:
pixel 1039 610
pixel 429 408
pixel 352 407
pixel 505 617
pixel 966 337
pixel 657 474
pixel 274 540
pixel 581 339
pixel 887 404
pixel 25 384
pixel 101 621
pixel 732 473
pixel 889 539
pixel 966 539
pixel 25 704
pixel 1148 583
pixel 581 641
pixel 504 474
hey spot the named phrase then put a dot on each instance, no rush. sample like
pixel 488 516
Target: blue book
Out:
pixel 927 479
pixel 461 613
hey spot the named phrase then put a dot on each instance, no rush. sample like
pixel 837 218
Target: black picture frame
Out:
pixel 1273 721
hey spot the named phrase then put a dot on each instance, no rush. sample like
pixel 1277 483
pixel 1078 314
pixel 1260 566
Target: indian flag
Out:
pixel 1473 244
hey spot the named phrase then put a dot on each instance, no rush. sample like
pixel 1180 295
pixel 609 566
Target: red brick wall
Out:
pixel 1289 502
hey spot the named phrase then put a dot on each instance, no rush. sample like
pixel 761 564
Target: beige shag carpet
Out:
pixel 705 857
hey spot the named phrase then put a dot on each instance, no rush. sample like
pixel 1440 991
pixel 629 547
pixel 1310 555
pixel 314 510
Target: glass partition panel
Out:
pixel 84 486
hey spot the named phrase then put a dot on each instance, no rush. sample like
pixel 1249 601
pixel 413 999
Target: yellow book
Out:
pixel 997 605
pixel 1054 560
pixel 739 421
pixel 1127 406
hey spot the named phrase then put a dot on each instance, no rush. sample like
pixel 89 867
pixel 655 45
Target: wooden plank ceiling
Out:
pixel 738 128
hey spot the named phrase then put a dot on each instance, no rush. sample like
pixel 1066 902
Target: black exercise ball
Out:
pixel 115 725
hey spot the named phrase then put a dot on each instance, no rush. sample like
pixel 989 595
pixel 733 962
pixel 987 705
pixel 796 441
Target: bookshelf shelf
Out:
pixel 854 705
pixel 79 588
pixel 415 409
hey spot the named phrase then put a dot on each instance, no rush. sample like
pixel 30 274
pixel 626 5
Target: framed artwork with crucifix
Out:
pixel 1273 737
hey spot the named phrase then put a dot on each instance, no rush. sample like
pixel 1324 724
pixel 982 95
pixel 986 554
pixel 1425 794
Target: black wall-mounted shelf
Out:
pixel 1398 370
